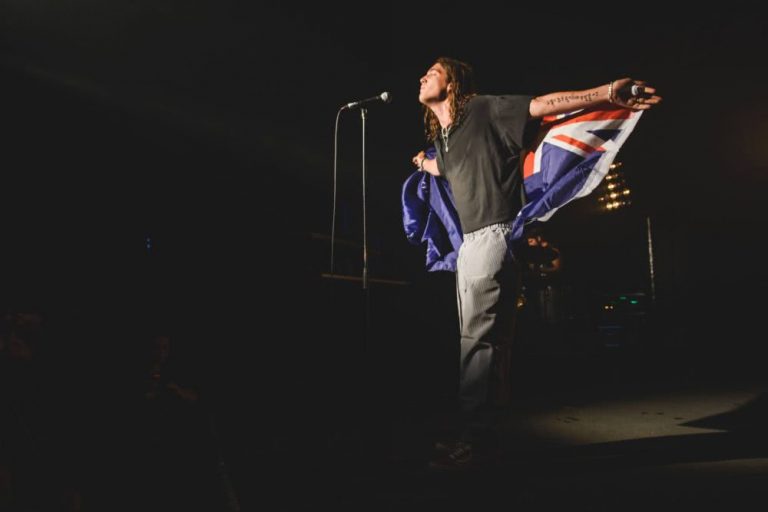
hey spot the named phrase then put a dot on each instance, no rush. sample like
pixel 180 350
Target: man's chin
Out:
pixel 426 100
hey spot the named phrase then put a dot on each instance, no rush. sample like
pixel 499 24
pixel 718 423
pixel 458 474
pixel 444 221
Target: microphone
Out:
pixel 632 91
pixel 385 97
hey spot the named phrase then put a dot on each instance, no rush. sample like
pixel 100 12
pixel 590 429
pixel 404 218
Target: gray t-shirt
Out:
pixel 482 160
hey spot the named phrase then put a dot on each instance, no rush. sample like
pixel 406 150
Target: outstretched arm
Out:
pixel 618 92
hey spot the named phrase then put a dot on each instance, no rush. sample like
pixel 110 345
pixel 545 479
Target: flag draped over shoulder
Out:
pixel 573 154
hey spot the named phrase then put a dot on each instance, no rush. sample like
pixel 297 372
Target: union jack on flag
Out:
pixel 574 154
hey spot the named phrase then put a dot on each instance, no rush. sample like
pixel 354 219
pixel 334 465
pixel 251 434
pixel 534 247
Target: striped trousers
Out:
pixel 486 290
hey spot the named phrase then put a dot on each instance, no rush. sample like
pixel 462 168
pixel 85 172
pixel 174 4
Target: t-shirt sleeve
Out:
pixel 511 118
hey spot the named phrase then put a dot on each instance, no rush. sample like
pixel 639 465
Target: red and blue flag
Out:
pixel 572 155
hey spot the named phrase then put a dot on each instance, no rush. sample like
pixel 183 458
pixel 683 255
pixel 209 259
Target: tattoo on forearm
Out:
pixel 570 97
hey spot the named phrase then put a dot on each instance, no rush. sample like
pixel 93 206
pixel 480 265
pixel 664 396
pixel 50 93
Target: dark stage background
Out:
pixel 171 163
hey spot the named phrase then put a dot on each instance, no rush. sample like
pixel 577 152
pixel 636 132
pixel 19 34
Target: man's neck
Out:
pixel 443 112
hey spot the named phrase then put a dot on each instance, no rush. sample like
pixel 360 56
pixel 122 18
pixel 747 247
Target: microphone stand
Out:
pixel 366 292
pixel 363 114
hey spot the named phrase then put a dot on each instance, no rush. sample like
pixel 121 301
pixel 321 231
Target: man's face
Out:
pixel 434 85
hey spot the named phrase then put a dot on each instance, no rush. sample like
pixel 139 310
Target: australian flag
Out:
pixel 572 155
